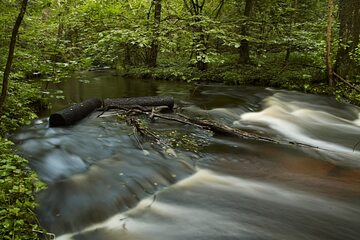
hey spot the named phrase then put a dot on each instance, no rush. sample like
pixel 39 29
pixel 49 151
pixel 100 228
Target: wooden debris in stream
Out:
pixel 129 113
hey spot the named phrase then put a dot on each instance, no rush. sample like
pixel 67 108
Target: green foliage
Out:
pixel 188 142
pixel 59 37
pixel 23 99
pixel 18 184
pixel 17 187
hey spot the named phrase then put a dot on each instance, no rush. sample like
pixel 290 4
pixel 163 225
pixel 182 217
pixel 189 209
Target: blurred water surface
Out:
pixel 103 185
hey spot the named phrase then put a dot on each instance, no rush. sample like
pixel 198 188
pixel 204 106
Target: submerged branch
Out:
pixel 213 126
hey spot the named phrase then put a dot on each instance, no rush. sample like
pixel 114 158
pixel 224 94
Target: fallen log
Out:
pixel 222 129
pixel 150 101
pixel 215 127
pixel 74 113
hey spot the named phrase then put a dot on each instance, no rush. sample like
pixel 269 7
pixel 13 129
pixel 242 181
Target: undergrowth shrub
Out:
pixel 18 183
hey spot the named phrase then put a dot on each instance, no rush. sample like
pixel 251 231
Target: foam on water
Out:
pixel 165 218
pixel 190 215
pixel 357 121
pixel 307 123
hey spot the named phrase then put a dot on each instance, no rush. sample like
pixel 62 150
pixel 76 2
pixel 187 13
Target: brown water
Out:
pixel 104 185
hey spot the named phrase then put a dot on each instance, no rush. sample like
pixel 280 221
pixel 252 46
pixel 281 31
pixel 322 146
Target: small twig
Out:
pixel 153 201
pixel 145 132
pixel 151 115
pixel 178 120
pixel 104 109
pixel 136 138
pixel 44 233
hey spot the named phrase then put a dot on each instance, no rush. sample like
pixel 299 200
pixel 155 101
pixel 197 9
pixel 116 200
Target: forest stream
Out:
pixel 105 183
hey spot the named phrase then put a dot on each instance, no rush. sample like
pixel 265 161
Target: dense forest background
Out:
pixel 309 45
pixel 276 43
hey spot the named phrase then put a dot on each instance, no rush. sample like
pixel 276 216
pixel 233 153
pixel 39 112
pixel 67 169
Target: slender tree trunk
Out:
pixel 201 63
pixel 10 58
pixel 195 8
pixel 244 50
pixel 289 48
pixel 349 16
pixel 201 49
pixel 127 56
pixel 154 48
pixel 287 55
pixel 328 60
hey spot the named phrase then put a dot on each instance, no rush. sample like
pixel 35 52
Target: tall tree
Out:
pixel 349 17
pixel 196 8
pixel 10 58
pixel 290 29
pixel 328 60
pixel 154 48
pixel 244 51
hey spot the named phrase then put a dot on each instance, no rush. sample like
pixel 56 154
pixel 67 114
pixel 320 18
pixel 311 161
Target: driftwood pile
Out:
pixel 152 107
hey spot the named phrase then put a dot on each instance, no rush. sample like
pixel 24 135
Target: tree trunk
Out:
pixel 287 55
pixel 127 56
pixel 289 48
pixel 244 51
pixel 10 58
pixel 349 16
pixel 74 113
pixel 329 69
pixel 201 50
pixel 148 101
pixel 154 48
pixel 195 8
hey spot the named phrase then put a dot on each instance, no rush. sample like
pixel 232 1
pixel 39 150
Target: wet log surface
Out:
pixel 81 110
pixel 74 113
pixel 150 101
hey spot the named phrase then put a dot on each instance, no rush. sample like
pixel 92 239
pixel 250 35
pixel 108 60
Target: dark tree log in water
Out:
pixel 74 113
pixel 151 101
pixel 79 111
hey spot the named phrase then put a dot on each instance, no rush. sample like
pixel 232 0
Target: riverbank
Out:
pixel 291 76
pixel 18 184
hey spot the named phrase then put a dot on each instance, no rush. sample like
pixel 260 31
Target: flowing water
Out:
pixel 105 183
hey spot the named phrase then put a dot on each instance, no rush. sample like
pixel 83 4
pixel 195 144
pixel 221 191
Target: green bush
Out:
pixel 17 187
pixel 18 183
pixel 19 107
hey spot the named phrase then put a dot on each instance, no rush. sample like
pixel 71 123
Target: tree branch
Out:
pixel 346 82
pixel 188 7
pixel 218 8
pixel 149 11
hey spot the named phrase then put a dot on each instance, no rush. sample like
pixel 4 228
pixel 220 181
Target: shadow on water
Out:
pixel 104 185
